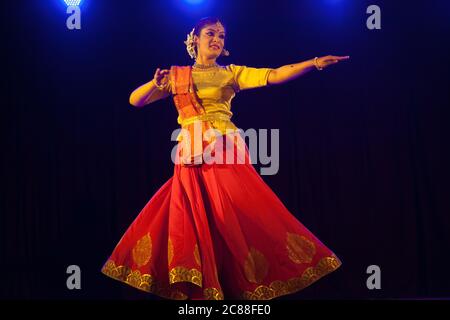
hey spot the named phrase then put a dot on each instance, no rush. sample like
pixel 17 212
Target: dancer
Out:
pixel 216 230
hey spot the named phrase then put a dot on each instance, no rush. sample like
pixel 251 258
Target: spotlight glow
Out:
pixel 72 2
pixel 194 2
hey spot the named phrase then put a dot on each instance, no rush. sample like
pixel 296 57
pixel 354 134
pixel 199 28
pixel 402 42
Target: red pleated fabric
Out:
pixel 217 231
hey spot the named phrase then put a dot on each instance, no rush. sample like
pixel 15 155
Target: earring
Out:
pixel 225 52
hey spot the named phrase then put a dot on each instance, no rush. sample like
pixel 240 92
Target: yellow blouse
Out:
pixel 216 88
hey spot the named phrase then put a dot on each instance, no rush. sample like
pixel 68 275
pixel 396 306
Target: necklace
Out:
pixel 205 66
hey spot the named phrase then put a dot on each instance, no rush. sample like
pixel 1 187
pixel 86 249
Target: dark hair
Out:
pixel 203 22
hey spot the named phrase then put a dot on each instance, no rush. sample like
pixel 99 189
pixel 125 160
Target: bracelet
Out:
pixel 317 64
pixel 159 86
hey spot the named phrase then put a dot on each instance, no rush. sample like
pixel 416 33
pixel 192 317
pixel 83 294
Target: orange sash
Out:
pixel 190 112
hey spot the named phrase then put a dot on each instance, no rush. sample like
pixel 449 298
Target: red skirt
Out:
pixel 217 231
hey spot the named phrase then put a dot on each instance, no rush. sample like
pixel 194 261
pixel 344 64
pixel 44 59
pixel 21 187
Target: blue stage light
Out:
pixel 72 2
pixel 193 1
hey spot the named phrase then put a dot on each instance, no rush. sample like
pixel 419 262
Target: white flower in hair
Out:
pixel 190 44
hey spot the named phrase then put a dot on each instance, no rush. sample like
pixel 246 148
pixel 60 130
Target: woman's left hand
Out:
pixel 326 61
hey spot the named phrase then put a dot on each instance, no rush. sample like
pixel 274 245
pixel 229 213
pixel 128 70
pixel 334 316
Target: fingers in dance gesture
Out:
pixel 326 61
pixel 161 77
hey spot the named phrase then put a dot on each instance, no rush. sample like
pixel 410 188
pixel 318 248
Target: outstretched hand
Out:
pixel 326 61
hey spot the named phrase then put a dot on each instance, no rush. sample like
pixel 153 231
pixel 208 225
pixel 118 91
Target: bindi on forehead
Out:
pixel 218 28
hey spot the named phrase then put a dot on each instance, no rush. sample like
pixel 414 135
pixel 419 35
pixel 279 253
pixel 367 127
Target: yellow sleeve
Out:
pixel 249 77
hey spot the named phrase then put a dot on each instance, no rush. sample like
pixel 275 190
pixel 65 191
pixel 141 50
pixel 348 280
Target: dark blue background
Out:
pixel 363 155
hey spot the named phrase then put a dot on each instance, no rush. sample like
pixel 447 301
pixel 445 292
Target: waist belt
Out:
pixel 204 117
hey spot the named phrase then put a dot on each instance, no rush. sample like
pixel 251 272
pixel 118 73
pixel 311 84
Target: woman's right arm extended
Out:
pixel 149 92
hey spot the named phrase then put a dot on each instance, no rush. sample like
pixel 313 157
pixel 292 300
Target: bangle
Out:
pixel 317 64
pixel 159 86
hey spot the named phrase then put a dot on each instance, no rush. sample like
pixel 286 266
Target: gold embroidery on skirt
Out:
pixel 197 255
pixel 147 283
pixel 170 251
pixel 279 288
pixel 144 282
pixel 256 266
pixel 213 294
pixel 182 274
pixel 300 249
pixel 142 251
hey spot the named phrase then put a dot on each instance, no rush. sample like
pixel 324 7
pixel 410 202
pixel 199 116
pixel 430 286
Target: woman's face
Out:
pixel 211 40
